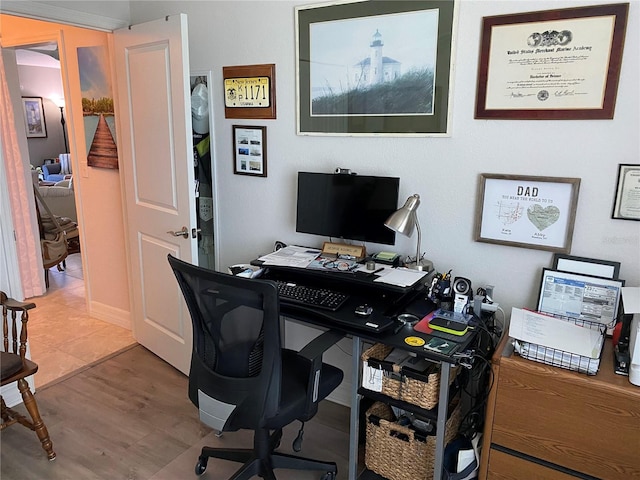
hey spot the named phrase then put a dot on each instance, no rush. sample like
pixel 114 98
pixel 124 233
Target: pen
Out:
pixel 377 271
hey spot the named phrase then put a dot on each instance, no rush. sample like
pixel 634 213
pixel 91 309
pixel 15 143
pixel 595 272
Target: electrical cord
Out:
pixel 473 420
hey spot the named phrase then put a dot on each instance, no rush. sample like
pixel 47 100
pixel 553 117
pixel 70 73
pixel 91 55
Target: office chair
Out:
pixel 241 377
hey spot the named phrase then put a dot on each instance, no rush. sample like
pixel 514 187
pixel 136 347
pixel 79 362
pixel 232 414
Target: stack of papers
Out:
pixel 305 257
pixel 291 256
pixel 402 277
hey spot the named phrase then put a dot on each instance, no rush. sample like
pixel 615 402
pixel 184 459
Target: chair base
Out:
pixel 255 464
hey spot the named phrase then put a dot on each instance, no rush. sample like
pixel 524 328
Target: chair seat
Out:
pixel 10 364
pixel 293 398
pixel 13 368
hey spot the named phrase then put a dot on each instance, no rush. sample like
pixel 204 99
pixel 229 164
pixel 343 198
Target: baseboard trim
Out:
pixel 115 316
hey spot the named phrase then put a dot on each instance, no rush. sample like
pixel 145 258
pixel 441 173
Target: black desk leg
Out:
pixel 443 402
pixel 354 424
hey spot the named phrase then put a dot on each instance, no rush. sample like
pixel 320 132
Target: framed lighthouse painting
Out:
pixel 378 68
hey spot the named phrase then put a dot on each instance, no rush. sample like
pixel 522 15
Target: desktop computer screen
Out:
pixel 347 206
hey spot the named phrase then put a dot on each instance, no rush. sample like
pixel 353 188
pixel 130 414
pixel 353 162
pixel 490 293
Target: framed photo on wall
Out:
pixel 250 150
pixel 527 211
pixel 374 68
pixel 551 65
pixel 626 204
pixel 34 117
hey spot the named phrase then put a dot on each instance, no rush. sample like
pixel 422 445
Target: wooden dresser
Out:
pixel 548 423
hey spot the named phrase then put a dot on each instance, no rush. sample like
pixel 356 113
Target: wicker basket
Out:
pixel 393 450
pixel 420 390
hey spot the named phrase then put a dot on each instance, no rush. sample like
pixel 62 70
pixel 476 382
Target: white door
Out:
pixel 152 66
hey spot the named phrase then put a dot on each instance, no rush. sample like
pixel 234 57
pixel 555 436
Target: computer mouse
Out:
pixel 363 310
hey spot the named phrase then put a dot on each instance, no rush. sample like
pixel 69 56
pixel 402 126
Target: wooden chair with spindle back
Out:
pixel 16 368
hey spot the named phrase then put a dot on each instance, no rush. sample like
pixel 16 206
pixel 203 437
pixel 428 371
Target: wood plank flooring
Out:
pixel 129 417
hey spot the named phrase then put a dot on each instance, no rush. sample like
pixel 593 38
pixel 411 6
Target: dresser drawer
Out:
pixel 566 418
pixel 503 466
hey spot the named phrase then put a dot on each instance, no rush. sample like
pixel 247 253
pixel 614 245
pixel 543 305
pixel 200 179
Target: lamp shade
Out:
pixel 59 101
pixel 403 220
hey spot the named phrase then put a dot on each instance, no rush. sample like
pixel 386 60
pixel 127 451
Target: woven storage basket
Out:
pixel 393 451
pixel 424 394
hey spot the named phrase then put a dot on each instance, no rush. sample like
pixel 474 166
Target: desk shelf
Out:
pixel 409 407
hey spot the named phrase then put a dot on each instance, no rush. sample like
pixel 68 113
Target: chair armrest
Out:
pixel 16 305
pixel 320 344
pixel 312 352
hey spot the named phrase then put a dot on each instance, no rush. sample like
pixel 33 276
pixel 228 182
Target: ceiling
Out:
pixel 44 55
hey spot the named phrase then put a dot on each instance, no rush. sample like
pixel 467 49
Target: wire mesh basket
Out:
pixel 562 358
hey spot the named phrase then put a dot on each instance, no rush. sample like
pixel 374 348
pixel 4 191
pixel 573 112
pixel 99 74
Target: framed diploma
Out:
pixel 527 211
pixel 551 65
pixel 250 91
pixel 627 200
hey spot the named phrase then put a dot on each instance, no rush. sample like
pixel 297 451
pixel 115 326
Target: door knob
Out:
pixel 182 233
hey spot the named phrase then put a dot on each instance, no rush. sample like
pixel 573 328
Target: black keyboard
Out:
pixel 324 298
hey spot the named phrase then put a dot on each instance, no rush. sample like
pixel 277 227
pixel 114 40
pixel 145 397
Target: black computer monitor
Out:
pixel 347 206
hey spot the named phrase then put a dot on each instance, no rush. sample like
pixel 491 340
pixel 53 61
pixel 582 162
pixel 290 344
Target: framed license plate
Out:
pixel 250 91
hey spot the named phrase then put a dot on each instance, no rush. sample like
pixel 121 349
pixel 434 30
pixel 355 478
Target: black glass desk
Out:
pixel 390 301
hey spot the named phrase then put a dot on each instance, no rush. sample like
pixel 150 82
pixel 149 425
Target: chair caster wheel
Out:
pixel 329 476
pixel 201 466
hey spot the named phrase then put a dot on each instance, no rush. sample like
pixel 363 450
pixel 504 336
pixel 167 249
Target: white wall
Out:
pixel 46 83
pixel 254 212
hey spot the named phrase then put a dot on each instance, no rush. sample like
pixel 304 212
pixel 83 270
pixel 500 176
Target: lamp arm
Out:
pixel 419 241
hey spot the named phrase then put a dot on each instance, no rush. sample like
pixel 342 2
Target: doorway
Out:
pixel 63 336
pixel 204 168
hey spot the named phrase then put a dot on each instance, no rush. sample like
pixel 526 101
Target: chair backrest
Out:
pixel 51 169
pixel 235 373
pixel 15 316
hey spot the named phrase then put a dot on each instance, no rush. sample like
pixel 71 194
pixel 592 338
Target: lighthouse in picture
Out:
pixel 376 68
pixel 375 71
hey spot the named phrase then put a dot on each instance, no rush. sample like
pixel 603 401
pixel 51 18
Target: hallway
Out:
pixel 62 337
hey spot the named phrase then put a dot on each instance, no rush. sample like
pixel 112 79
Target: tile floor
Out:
pixel 63 338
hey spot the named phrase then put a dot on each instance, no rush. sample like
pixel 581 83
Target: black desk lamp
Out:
pixel 403 221
pixel 60 104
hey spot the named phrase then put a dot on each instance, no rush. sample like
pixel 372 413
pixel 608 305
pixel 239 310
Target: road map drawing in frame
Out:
pixel 527 211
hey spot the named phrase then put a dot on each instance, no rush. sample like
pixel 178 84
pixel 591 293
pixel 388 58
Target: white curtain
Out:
pixel 21 200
